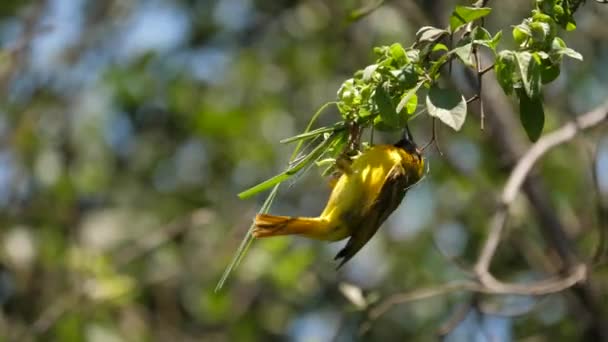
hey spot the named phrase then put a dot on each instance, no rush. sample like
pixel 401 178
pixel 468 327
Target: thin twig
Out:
pixel 473 98
pixel 400 298
pixel 486 69
pixel 479 85
pixel 434 140
pixel 482 111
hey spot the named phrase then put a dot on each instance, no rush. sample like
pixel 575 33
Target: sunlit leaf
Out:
pixel 409 100
pixel 429 34
pixel 398 54
pixel 571 53
pixel 463 15
pixel 369 71
pixel 529 67
pixel 504 68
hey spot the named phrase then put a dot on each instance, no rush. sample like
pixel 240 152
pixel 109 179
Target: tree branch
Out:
pixel 520 173
pixel 490 286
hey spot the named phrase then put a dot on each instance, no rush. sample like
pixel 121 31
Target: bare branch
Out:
pixel 489 285
pixel 482 111
pixel 473 98
pixel 486 69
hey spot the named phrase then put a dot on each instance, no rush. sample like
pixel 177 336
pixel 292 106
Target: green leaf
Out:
pixel 521 33
pixel 408 76
pixel 530 70
pixel 504 68
pixel 493 43
pixel 558 44
pixel 413 55
pixel 382 126
pixel 398 54
pixel 349 97
pixel 246 242
pixel 285 175
pixel 571 53
pixel 386 107
pixel 439 47
pixel 429 34
pixel 481 36
pixel 412 104
pixel 409 100
pixel 540 31
pixel 549 72
pixel 463 15
pixel 368 72
pixel 480 33
pixel 447 105
pixel 436 66
pixel 313 134
pixel 570 26
pixel 464 54
pixel 532 115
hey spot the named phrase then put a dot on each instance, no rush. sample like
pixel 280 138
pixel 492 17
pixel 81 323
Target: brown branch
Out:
pixel 473 98
pixel 486 69
pixel 489 285
pixel 482 111
pixel 405 297
pixel 434 140
pixel 520 173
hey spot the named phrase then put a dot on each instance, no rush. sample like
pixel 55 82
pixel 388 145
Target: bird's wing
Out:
pixel 388 199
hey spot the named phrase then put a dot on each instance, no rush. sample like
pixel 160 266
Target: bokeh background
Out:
pixel 128 127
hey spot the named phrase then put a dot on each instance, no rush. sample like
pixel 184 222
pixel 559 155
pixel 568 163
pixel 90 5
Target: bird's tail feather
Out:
pixel 271 225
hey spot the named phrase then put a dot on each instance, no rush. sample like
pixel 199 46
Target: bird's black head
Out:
pixel 407 143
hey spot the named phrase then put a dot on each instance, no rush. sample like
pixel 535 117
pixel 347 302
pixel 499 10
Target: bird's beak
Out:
pixel 407 135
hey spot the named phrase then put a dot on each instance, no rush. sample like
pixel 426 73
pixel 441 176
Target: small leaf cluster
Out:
pixel 385 94
pixel 378 94
pixel 560 11
pixel 536 61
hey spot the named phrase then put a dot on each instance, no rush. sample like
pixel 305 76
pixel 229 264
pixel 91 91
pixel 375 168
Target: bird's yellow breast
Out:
pixel 358 188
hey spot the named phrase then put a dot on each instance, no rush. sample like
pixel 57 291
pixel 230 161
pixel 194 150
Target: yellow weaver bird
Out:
pixel 367 192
